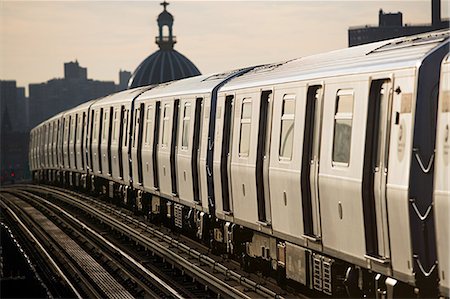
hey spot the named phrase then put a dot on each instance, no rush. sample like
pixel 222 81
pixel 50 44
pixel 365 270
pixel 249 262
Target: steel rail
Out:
pixel 162 251
pixel 41 248
pixel 71 254
pixel 151 276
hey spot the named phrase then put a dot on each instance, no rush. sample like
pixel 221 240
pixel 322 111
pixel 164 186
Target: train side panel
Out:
pixel 188 139
pixel 222 155
pixel 243 168
pixel 151 125
pixel 340 175
pixel 285 162
pixel 169 118
pixel 203 171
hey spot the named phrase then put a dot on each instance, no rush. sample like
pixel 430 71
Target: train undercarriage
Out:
pixel 293 266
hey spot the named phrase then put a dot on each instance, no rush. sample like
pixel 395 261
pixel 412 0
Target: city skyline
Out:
pixel 106 36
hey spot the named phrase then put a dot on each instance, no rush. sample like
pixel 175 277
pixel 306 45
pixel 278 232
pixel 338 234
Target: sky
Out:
pixel 37 37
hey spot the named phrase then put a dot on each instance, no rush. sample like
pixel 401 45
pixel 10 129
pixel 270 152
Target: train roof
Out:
pixel 54 117
pixel 193 85
pixel 123 96
pixel 391 54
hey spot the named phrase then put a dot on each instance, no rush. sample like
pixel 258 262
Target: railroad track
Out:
pixel 223 280
pixel 84 278
pixel 98 268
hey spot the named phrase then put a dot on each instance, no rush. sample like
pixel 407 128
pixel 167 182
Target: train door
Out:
pixel 155 144
pixel 38 148
pixel 46 142
pixel 147 147
pixel 184 152
pixel 139 129
pixel 114 148
pixel 166 150
pixel 109 133
pixel 310 162
pixel 136 151
pixel 249 165
pixel 58 143
pixel 173 147
pixel 79 141
pixel 95 150
pixel 100 137
pixel 49 145
pixel 195 149
pixel 120 141
pixel 66 141
pixel 90 156
pixel 82 139
pixel 376 168
pixel 73 132
pixel 262 156
pixel 124 151
pixel 225 157
pixel 104 137
pixel 187 154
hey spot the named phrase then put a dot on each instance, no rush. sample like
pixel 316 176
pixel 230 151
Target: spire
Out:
pixel 165 40
pixel 164 4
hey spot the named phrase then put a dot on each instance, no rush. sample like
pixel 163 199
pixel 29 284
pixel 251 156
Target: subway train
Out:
pixel 329 172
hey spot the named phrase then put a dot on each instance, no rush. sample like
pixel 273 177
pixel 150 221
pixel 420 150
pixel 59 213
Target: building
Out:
pixel 13 106
pixel 166 64
pixel 56 95
pixel 13 132
pixel 390 25
pixel 73 71
pixel 124 78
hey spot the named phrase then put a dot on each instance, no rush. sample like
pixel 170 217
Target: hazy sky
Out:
pixel 37 37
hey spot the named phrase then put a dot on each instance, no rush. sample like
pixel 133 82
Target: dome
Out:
pixel 165 18
pixel 163 66
pixel 166 64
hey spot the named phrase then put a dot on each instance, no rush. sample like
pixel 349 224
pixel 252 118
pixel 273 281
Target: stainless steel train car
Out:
pixel 329 171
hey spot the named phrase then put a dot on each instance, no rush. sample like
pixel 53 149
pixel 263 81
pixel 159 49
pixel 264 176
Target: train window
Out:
pixel 55 132
pixel 148 122
pixel 125 125
pixel 343 118
pixel 135 127
pixel 50 133
pixel 105 128
pixel 72 132
pixel 287 127
pixel 245 129
pixel 79 128
pixel 95 134
pixel 186 123
pixel 115 120
pixel 66 130
pixel 165 128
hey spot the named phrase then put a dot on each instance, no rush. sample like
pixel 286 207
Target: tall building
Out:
pixel 73 71
pixel 13 106
pixel 124 78
pixel 166 64
pixel 13 132
pixel 56 95
pixel 390 25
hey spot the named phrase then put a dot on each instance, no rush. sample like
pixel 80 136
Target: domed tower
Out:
pixel 166 64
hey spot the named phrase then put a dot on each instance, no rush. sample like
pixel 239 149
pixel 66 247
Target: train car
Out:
pixel 318 170
pixel 326 154
pixel 43 157
pixel 171 142
pixel 108 144
pixel 73 147
pixel 441 198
